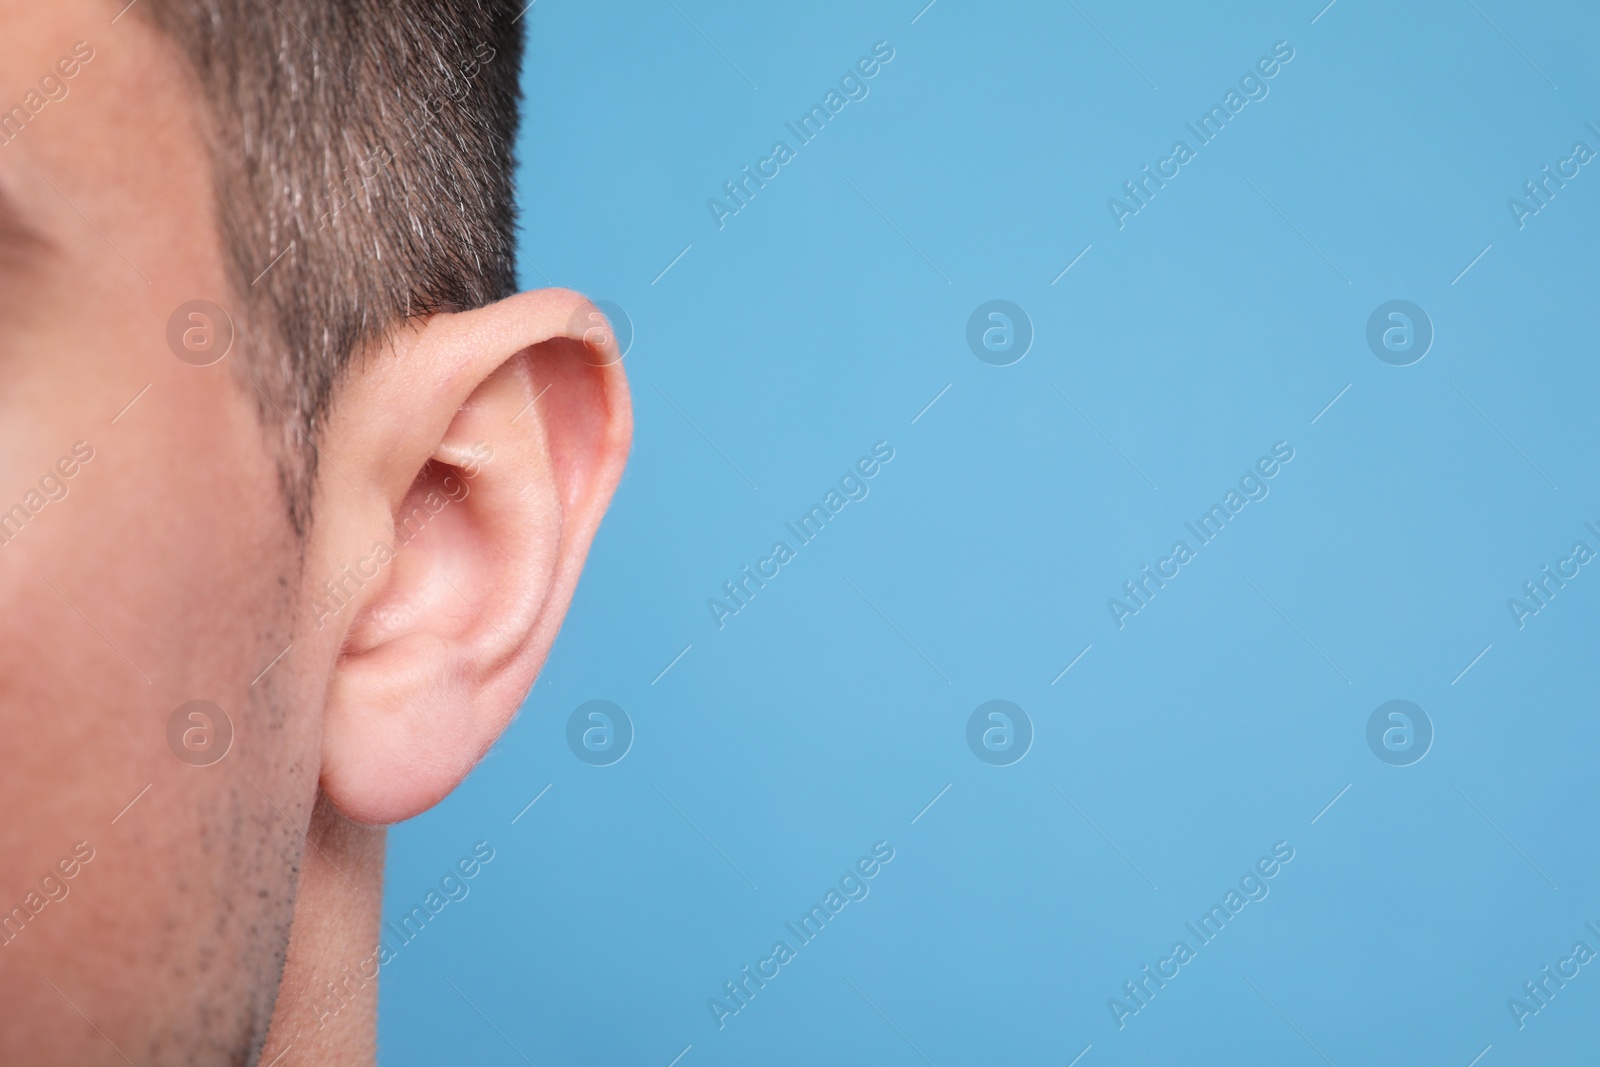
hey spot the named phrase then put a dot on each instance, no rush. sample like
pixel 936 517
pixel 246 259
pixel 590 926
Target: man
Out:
pixel 293 496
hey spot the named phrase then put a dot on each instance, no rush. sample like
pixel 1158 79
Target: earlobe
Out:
pixel 489 451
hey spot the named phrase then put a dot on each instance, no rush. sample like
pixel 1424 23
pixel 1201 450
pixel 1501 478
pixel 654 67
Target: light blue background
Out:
pixel 1221 319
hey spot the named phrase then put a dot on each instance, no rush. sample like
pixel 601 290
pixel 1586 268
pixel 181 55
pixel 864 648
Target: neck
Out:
pixel 327 1009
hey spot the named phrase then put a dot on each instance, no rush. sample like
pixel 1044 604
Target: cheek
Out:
pixel 166 574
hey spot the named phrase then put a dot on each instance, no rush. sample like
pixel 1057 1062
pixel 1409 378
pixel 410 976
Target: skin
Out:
pixel 220 900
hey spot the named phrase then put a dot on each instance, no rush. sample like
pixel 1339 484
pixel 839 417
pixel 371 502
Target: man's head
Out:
pixel 293 494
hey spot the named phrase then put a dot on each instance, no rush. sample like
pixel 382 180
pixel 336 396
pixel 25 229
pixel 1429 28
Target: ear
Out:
pixel 464 475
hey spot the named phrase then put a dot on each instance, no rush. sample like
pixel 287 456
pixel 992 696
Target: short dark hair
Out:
pixel 362 153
